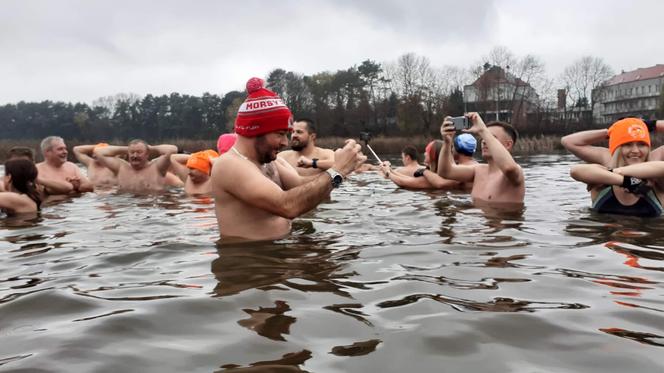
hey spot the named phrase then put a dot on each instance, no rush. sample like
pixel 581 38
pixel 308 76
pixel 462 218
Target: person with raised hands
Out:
pixel 629 183
pixel 582 144
pixel 498 182
pixel 257 195
pixel 139 174
pixel 99 175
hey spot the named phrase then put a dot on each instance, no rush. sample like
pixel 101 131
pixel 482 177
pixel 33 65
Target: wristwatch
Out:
pixel 336 177
pixel 314 162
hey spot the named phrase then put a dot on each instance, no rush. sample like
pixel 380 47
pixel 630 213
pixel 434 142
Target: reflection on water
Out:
pixel 376 279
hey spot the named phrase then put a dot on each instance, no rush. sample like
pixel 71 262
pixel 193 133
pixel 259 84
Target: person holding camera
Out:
pixel 256 194
pixel 500 180
pixel 307 158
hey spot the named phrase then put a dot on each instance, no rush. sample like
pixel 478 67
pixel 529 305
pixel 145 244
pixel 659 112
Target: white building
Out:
pixel 629 94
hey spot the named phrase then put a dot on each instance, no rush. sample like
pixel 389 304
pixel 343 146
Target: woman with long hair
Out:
pixel 21 195
pixel 631 184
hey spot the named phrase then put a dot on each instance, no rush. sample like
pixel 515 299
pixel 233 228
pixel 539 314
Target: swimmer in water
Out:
pixel 256 194
pixel 194 170
pixel 20 195
pixel 631 183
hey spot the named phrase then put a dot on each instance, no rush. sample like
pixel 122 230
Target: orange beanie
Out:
pixel 627 130
pixel 202 161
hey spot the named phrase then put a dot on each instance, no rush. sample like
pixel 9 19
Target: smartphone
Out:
pixel 460 123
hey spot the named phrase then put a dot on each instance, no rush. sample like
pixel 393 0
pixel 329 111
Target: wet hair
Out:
pixel 434 153
pixel 411 152
pixel 511 131
pixel 139 141
pixel 47 142
pixel 21 152
pixel 311 127
pixel 24 176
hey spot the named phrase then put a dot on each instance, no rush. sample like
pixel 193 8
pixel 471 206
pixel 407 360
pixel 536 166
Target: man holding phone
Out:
pixel 500 180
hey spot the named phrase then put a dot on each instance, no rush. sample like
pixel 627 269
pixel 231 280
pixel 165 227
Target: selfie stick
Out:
pixel 372 152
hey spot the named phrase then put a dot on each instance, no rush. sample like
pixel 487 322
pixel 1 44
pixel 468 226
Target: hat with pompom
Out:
pixel 262 112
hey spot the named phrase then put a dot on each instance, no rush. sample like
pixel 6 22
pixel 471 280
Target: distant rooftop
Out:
pixel 638 74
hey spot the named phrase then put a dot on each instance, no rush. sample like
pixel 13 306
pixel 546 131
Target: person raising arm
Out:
pixel 501 179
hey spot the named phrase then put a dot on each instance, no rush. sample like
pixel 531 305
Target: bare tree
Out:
pixel 583 76
pixel 110 103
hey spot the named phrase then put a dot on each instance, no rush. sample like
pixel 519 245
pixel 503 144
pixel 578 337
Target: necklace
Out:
pixel 240 154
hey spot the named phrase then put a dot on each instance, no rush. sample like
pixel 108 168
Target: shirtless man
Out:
pixel 99 175
pixel 427 177
pixel 501 180
pixel 138 174
pixel 305 156
pixel 194 170
pixel 255 195
pixel 55 166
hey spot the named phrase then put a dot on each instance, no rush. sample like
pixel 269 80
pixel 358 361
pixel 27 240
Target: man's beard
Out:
pixel 299 145
pixel 263 151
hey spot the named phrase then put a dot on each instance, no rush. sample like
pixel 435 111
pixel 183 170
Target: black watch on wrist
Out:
pixel 336 177
pixel 314 162
pixel 419 172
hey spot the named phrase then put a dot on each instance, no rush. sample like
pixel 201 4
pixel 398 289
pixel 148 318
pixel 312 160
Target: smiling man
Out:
pixel 256 195
pixel 56 168
pixel 305 156
pixel 139 174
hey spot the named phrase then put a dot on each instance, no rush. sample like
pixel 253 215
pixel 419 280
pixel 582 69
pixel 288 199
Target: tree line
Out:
pixel 405 97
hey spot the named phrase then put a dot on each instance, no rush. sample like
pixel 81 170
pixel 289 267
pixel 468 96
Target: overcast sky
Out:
pixel 79 50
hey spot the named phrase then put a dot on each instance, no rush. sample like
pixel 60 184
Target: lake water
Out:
pixel 378 279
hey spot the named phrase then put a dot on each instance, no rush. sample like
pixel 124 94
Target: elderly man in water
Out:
pixel 256 195
pixel 56 168
pixel 139 174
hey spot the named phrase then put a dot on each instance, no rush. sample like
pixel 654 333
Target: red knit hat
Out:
pixel 262 112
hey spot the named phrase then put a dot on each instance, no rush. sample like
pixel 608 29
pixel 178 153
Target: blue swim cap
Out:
pixel 465 144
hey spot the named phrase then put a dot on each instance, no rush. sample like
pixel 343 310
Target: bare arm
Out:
pixel 447 169
pixel 408 182
pixel 249 185
pixel 581 145
pixel 501 156
pixel 324 162
pixel 439 182
pixel 645 170
pixel 178 165
pixel 254 189
pixel 163 162
pixel 83 154
pixel 290 178
pixel 54 187
pixel 81 183
pixel 594 175
pixel 108 157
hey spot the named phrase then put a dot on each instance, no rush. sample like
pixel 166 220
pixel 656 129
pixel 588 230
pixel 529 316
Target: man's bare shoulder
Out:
pixel 288 154
pixel 324 152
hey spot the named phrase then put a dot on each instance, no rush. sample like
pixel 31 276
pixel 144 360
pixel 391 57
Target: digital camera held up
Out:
pixel 460 123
